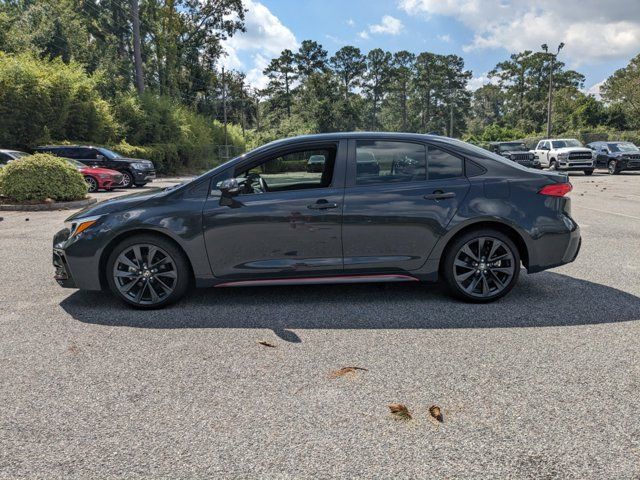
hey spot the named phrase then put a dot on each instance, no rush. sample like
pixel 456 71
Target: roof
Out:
pixel 10 151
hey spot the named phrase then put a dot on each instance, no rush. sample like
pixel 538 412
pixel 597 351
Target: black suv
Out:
pixel 616 156
pixel 516 151
pixel 134 171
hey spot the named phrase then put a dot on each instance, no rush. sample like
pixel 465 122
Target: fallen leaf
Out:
pixel 345 371
pixel 264 343
pixel 73 349
pixel 400 411
pixel 436 413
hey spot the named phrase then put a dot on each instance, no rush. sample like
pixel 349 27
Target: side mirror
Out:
pixel 229 187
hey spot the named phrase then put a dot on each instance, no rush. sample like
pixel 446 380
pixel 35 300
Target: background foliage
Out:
pixel 73 70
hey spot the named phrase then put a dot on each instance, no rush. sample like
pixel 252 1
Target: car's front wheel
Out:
pixel 588 172
pixel 127 180
pixel 553 165
pixel 92 184
pixel 612 167
pixel 147 271
pixel 481 266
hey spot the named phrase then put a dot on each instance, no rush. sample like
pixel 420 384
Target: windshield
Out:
pixel 17 155
pixel 566 143
pixel 76 163
pixel 110 154
pixel 512 147
pixel 623 147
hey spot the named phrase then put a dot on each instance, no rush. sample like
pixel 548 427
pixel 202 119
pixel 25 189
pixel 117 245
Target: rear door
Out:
pixel 286 221
pixel 393 219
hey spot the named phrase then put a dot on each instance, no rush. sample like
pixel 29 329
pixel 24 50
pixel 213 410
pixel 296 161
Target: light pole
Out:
pixel 553 57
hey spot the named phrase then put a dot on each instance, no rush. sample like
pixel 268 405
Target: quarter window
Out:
pixel 443 165
pixel 305 169
pixel 380 161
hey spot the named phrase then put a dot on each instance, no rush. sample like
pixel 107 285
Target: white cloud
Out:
pixel 593 31
pixel 480 81
pixel 595 90
pixel 351 23
pixel 265 38
pixel 388 25
pixel 444 38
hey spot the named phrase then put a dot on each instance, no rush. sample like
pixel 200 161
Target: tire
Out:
pixel 588 172
pixel 612 167
pixel 479 282
pixel 127 179
pixel 553 165
pixel 140 185
pixel 131 279
pixel 92 184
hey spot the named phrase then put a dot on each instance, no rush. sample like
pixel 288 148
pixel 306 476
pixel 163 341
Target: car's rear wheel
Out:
pixel 92 184
pixel 127 180
pixel 147 272
pixel 481 266
pixel 612 166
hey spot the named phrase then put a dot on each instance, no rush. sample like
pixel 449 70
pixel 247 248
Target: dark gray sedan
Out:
pixel 433 208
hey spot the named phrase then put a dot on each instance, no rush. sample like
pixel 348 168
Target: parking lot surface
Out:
pixel 544 383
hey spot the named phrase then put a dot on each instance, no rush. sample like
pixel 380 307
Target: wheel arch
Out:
pixel 106 251
pixel 510 231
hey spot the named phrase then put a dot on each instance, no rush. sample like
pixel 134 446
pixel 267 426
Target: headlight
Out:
pixel 139 166
pixel 563 155
pixel 79 225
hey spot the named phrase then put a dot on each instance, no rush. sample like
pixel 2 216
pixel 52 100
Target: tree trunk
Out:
pixel 137 46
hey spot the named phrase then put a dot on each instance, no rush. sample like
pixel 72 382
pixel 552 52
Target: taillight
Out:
pixel 556 189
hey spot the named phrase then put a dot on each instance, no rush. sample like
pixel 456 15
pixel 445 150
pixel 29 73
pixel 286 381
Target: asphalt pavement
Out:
pixel 542 384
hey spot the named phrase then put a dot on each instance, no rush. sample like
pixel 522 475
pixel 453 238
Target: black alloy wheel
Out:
pixel 147 272
pixel 482 266
pixel 92 184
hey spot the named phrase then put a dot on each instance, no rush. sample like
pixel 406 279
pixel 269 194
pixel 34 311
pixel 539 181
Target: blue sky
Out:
pixel 600 37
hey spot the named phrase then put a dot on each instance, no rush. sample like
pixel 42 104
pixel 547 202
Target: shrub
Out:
pixel 39 177
pixel 41 99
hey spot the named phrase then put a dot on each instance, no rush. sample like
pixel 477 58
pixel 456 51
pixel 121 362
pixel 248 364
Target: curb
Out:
pixel 41 207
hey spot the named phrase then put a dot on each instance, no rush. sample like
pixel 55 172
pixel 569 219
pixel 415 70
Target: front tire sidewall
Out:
pixel 553 165
pixel 612 167
pixel 450 256
pixel 92 184
pixel 182 268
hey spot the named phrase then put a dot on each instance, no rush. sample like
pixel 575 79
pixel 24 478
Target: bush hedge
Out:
pixel 40 177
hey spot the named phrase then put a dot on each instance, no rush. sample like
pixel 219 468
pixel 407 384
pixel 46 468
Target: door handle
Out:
pixel 439 195
pixel 322 205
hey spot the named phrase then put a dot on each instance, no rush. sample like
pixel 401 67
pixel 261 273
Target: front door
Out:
pixel 394 215
pixel 287 219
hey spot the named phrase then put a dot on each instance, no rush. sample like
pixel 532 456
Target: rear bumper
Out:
pixel 554 249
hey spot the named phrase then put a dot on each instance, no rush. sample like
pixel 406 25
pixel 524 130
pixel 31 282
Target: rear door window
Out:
pixel 442 164
pixel 381 161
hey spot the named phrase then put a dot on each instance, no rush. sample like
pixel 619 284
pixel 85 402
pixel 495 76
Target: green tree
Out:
pixel 623 89
pixel 282 72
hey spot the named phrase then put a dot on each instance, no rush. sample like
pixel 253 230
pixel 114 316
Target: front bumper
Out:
pixel 580 166
pixel 143 176
pixel 62 273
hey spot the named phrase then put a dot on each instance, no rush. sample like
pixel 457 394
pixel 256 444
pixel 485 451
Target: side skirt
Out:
pixel 321 280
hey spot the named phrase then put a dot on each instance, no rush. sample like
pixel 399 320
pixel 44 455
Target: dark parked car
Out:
pixel 134 171
pixel 616 157
pixel 315 163
pixel 516 151
pixel 7 156
pixel 459 213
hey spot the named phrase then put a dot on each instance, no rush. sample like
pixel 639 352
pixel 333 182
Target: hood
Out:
pixel 99 171
pixel 117 204
pixel 516 152
pixel 573 150
pixel 623 154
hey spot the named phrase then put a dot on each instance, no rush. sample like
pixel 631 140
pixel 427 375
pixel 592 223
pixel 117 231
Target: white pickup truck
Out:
pixel 565 154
